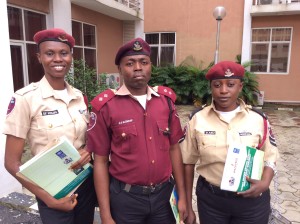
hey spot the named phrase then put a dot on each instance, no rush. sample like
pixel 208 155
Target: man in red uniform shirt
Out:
pixel 137 128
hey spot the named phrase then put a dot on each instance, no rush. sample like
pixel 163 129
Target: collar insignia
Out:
pixel 137 46
pixel 228 73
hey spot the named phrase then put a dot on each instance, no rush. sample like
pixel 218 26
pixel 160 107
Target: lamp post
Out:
pixel 219 14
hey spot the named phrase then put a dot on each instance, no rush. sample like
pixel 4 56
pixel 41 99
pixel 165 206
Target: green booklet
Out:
pixel 51 169
pixel 241 161
pixel 174 205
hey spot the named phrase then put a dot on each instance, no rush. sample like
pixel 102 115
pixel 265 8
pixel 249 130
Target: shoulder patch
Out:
pixel 99 101
pixel 166 91
pixel 26 89
pixel 11 105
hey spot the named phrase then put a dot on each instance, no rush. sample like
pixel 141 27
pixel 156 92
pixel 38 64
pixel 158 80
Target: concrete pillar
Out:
pixel 8 183
pixel 60 15
pixel 139 24
pixel 246 44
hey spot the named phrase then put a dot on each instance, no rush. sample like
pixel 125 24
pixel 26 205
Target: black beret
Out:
pixel 136 46
pixel 54 34
pixel 225 70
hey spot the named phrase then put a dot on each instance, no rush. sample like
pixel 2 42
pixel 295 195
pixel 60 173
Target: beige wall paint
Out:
pixel 109 36
pixel 196 27
pixel 283 87
pixel 40 5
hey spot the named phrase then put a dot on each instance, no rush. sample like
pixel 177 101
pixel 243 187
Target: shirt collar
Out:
pixel 48 91
pixel 243 106
pixel 123 91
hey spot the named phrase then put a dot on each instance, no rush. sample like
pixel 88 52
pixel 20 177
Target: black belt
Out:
pixel 138 189
pixel 217 190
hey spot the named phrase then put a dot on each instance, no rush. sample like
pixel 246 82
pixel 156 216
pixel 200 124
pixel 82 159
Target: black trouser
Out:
pixel 83 211
pixel 216 206
pixel 135 205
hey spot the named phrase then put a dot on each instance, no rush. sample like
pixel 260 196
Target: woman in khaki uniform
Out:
pixel 209 133
pixel 42 112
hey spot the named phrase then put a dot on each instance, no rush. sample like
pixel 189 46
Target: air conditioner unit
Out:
pixel 265 2
pixel 113 80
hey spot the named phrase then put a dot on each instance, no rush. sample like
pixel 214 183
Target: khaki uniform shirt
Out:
pixel 36 112
pixel 208 136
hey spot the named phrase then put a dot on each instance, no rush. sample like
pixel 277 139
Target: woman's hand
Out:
pixel 191 218
pixel 65 204
pixel 256 189
pixel 85 157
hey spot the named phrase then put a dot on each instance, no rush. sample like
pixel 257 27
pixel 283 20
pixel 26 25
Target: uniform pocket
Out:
pixel 163 135
pixel 124 137
pixel 52 125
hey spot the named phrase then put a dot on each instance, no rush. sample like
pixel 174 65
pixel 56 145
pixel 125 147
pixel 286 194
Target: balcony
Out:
pixel 119 9
pixel 275 7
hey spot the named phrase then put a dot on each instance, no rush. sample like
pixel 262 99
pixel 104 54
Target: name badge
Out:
pixel 49 112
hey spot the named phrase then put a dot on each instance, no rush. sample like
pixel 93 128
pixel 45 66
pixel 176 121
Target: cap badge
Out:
pixel 228 73
pixel 62 38
pixel 137 46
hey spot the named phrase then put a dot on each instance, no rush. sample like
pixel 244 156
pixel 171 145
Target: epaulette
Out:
pixel 32 86
pixel 100 100
pixel 259 112
pixel 166 91
pixel 196 111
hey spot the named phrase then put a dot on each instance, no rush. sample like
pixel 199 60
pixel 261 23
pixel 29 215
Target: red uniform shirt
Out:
pixel 134 137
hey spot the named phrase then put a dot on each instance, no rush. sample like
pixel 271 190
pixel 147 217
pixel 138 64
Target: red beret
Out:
pixel 225 70
pixel 54 34
pixel 136 46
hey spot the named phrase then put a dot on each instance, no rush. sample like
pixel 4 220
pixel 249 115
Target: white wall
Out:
pixel 8 183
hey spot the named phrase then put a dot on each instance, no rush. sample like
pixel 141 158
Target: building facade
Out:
pixel 267 32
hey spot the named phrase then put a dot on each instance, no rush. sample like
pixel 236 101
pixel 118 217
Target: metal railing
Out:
pixel 132 4
pixel 273 2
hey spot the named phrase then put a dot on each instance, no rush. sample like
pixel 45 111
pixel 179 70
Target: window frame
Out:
pixel 23 43
pixel 82 46
pixel 269 44
pixel 159 46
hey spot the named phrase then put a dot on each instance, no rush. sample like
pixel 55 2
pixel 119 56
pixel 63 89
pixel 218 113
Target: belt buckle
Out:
pixel 148 189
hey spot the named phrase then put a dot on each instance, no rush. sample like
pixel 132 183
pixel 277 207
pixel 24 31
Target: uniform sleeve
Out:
pixel 189 149
pixel 270 147
pixel 176 130
pixel 98 134
pixel 18 118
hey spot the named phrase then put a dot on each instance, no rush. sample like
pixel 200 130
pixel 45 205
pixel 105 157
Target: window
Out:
pixel 271 50
pixel 23 24
pixel 85 43
pixel 162 48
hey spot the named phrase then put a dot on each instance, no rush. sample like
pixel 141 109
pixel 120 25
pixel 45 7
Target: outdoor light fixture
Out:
pixel 219 13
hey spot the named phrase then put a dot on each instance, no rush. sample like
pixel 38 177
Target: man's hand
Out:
pixel 182 210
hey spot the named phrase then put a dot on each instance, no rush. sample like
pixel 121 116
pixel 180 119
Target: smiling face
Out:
pixel 56 58
pixel 136 72
pixel 225 93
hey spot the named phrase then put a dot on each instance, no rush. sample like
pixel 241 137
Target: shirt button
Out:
pixel 150 138
pixel 152 161
pixel 50 125
pixel 151 184
pixel 123 135
pixel 229 127
pixel 145 114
